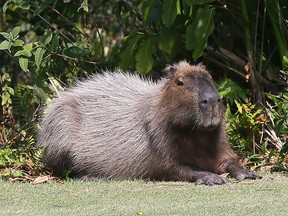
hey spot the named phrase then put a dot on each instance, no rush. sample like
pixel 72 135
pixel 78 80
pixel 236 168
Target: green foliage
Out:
pixel 259 133
pixel 277 130
pixel 162 33
pixel 127 55
pixel 15 161
pixel 169 12
pixel 244 125
pixel 245 120
pixel 144 58
pixel 197 32
pixel 248 50
pixel 232 91
pixel 39 57
pixel 11 39
pixel 37 159
pixel 47 44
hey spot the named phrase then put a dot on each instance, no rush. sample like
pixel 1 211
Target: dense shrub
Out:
pixel 45 45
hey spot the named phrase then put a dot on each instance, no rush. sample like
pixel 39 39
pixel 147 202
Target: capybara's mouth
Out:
pixel 210 122
pixel 208 128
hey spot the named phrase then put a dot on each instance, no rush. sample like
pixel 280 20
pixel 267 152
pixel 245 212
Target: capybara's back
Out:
pixel 117 125
pixel 96 129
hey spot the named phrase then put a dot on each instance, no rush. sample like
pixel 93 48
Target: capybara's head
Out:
pixel 190 99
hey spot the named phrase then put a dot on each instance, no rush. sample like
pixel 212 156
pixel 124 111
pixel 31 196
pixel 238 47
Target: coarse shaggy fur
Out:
pixel 99 128
pixel 117 125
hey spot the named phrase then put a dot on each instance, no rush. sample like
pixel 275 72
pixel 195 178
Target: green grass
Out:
pixel 268 196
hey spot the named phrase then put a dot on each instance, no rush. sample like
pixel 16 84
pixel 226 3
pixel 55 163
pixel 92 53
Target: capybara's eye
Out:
pixel 179 82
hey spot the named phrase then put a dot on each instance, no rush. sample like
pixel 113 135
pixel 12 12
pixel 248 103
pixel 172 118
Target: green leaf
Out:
pixel 18 53
pixel 39 56
pixel 190 35
pixel 4 45
pixel 23 62
pixel 144 58
pixel 43 95
pixel 24 4
pixel 169 12
pixel 127 55
pixel 285 62
pixel 148 8
pixel 279 126
pixel 26 53
pixel 54 43
pixel 205 24
pixel 204 31
pixel 166 40
pixel 47 37
pixel 40 8
pixel 5 35
pixel 198 2
pixel 28 47
pixel 255 158
pixel 10 90
pixel 18 42
pixel 5 98
pixel 284 149
pixel 200 46
pixel 264 146
pixel 15 31
pixel 239 107
pixel 199 30
pixel 74 52
pixel 84 6
pixel 5 6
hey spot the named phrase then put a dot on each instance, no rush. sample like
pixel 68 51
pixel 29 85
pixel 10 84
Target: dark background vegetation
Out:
pixel 45 45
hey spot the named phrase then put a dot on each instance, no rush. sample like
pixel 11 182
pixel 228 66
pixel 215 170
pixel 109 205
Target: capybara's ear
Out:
pixel 169 70
pixel 201 65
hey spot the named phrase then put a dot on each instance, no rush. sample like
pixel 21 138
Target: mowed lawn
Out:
pixel 268 196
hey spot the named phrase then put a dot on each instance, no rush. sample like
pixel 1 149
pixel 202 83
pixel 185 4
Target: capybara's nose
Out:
pixel 209 98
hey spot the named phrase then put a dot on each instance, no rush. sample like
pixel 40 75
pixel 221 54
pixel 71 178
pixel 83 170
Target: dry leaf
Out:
pixel 41 179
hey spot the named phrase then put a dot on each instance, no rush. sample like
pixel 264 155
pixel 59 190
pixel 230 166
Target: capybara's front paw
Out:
pixel 246 174
pixel 210 179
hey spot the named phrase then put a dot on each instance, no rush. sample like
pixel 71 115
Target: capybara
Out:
pixel 120 126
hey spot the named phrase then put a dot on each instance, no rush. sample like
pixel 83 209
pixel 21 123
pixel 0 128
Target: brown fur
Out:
pixel 119 126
